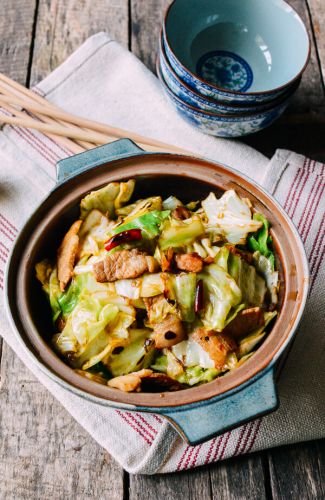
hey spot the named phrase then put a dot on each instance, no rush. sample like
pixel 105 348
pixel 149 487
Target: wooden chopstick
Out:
pixel 54 111
pixel 63 141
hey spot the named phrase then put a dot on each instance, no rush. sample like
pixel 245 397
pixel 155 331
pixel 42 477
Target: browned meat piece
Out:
pixel 167 260
pixel 181 213
pixel 130 382
pixel 244 255
pixel 217 345
pixel 67 254
pixel 60 323
pixel 190 262
pixel 124 264
pixel 157 382
pixel 245 321
pixel 168 332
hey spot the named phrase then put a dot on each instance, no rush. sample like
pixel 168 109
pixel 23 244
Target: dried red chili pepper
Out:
pixel 198 303
pixel 123 237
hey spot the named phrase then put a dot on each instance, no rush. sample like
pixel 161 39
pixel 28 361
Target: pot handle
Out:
pixel 75 164
pixel 211 418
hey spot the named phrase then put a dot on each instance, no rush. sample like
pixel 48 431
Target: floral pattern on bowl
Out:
pixel 226 70
pixel 223 125
pixel 208 90
pixel 189 96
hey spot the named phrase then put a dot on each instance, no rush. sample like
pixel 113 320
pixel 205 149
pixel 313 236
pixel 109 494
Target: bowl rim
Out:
pixel 230 117
pixel 236 105
pixel 221 90
pixel 191 396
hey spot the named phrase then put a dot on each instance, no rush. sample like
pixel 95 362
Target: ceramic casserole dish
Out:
pixel 198 413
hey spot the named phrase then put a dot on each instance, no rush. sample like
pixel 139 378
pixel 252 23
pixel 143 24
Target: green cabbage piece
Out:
pixel 86 334
pixel 151 285
pixel 203 248
pixel 177 233
pixel 139 208
pixel 230 216
pixel 180 290
pixel 149 224
pixel 190 375
pixel 134 356
pixel 47 274
pixel 196 375
pixel 184 287
pixel 252 285
pixel 171 203
pixel 262 240
pixel 221 258
pixel 69 299
pixel 248 343
pixel 191 353
pixel 107 199
pixel 96 319
pixel 221 294
pixel 93 233
pixel 158 311
pixel 265 267
pixel 148 285
pixel 160 364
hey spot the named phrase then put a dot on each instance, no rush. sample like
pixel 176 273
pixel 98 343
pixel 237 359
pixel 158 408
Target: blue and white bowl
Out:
pixel 204 103
pixel 246 51
pixel 224 125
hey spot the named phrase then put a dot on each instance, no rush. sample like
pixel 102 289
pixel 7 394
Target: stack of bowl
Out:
pixel 230 67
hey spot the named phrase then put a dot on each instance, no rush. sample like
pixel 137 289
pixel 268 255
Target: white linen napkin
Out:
pixel 103 81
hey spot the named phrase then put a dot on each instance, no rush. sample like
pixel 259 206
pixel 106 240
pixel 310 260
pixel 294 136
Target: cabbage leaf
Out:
pixel 248 343
pixel 221 294
pixel 252 285
pixel 230 216
pixel 190 375
pixel 47 274
pixel 107 199
pixel 265 268
pixel 149 224
pixel 176 233
pixel 184 288
pixel 191 353
pixel 134 356
pixel 171 203
pixel 140 207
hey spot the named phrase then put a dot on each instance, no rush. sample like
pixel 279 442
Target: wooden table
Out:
pixel 44 453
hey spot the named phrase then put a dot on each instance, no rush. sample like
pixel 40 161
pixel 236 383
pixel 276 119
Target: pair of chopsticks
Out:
pixel 24 108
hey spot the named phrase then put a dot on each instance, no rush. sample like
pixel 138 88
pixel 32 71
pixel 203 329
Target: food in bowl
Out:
pixel 155 294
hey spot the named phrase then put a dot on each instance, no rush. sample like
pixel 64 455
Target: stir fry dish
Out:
pixel 157 295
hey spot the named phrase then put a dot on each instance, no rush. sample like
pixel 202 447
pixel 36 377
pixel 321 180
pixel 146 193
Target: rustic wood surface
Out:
pixel 43 453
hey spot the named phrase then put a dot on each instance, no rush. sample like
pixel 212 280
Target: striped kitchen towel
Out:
pixel 130 96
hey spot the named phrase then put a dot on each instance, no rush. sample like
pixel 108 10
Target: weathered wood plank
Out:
pixel 146 19
pixel 304 138
pixel 317 10
pixel 298 472
pixel 16 27
pixel 194 485
pixel 241 478
pixel 63 26
pixel 44 453
pixel 310 95
pixel 302 127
